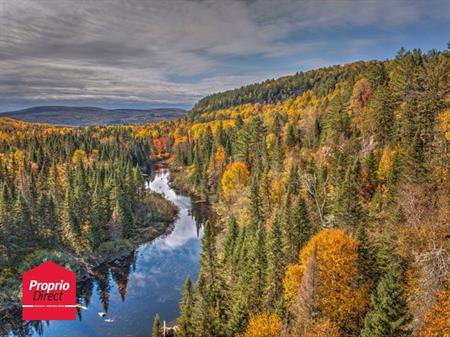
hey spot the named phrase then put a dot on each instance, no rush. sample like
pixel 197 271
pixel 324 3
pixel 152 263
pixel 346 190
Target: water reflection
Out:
pixel 133 289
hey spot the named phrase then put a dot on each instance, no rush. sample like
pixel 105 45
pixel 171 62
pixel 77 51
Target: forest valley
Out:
pixel 331 186
pixel 73 196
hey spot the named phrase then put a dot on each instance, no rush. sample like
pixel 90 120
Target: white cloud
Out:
pixel 129 50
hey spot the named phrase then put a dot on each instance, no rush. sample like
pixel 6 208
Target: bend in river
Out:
pixel 149 281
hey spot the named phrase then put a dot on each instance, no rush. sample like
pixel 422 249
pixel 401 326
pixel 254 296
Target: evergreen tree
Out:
pixel 98 218
pixel 348 207
pixel 291 135
pixel 383 107
pixel 293 182
pixel 389 316
pixel 256 216
pixel 256 269
pixel 239 317
pixel 275 269
pixel 301 225
pixel 230 239
pixel 156 327
pixel 185 323
pixel 211 287
pixel 68 231
pixel 366 257
pixel 205 317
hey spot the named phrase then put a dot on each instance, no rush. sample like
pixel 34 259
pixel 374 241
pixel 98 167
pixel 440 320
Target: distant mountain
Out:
pixel 84 116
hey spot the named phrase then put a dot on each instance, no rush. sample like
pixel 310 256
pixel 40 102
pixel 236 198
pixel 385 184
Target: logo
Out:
pixel 49 293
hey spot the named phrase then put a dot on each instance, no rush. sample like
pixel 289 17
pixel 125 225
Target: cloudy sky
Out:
pixel 136 53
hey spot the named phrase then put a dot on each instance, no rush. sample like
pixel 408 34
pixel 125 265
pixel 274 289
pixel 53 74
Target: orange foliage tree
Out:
pixel 342 299
pixel 437 318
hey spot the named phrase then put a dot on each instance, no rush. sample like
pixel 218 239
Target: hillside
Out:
pixel 332 187
pixel 84 116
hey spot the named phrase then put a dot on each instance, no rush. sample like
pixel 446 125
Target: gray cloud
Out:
pixel 132 51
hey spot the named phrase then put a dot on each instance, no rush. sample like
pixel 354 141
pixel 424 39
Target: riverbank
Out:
pixel 153 217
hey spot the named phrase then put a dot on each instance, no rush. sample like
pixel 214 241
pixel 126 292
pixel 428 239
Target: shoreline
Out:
pixel 88 264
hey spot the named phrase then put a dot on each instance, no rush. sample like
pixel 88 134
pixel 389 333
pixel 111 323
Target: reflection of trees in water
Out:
pixel 201 211
pixel 11 322
pixel 120 270
pixel 84 294
pixel 101 278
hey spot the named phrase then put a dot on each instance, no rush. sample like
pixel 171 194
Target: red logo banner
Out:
pixel 49 293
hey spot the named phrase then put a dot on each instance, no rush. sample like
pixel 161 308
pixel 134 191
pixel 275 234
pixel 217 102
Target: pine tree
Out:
pixel 185 324
pixel 293 180
pixel 156 327
pixel 385 259
pixel 98 218
pixel 205 317
pixel 275 269
pixel 256 218
pixel 291 135
pixel 239 254
pixel 256 268
pixel 348 207
pixel 389 316
pixel 239 317
pixel 286 223
pixel 301 225
pixel 211 286
pixel 366 257
pixel 229 242
pixel 383 107
pixel 277 155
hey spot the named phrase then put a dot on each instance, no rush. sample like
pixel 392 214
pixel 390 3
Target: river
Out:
pixel 149 281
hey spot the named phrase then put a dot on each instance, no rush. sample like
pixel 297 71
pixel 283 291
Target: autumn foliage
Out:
pixel 437 318
pixel 342 298
pixel 234 179
pixel 264 325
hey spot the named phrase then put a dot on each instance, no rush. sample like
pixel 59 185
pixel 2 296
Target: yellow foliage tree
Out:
pixel 264 325
pixel 79 154
pixel 342 299
pixel 235 178
pixel 386 164
pixel 444 123
pixel 291 283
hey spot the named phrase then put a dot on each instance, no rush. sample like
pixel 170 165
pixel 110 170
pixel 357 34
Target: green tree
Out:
pixel 256 268
pixel 156 327
pixel 230 239
pixel 389 316
pixel 68 230
pixel 256 216
pixel 210 298
pixel 275 269
pixel 239 317
pixel 185 324
pixel 301 225
pixel 383 105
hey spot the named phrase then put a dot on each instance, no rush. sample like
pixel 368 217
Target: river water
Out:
pixel 149 281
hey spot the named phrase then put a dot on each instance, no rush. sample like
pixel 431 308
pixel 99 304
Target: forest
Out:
pixel 72 196
pixel 331 188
